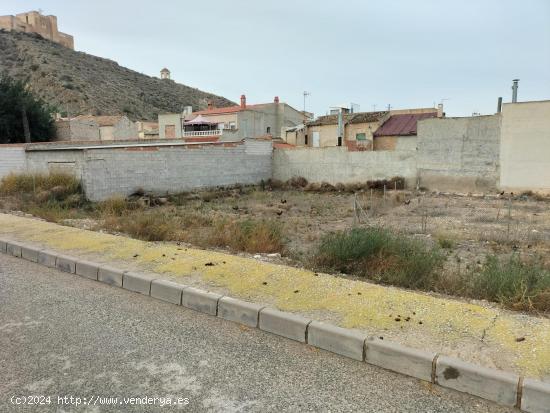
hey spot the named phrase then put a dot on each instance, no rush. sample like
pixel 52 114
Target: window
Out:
pixel 339 141
pixel 268 129
pixel 305 140
pixel 232 125
pixel 361 136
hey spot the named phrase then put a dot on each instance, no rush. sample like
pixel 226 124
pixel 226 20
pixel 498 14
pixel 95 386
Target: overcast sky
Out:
pixel 399 52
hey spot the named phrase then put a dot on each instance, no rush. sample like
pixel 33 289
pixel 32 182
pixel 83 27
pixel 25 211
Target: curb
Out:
pixel 504 388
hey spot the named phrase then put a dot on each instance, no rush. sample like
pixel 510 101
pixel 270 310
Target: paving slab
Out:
pixel 490 384
pixel 284 324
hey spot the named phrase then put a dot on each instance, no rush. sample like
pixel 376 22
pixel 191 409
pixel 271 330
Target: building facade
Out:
pixel 96 128
pixel 35 22
pixel 231 123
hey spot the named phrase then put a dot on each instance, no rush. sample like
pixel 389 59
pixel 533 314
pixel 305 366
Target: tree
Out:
pixel 23 117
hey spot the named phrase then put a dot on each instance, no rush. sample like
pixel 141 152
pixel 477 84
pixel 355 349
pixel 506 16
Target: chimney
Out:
pixel 243 101
pixel 210 104
pixel 440 110
pixel 276 99
pixel 515 90
pixel 499 105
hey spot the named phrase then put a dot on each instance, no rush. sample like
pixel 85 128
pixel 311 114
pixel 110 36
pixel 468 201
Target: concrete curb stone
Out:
pixel 200 300
pixel 284 324
pixel 138 283
pixel 535 396
pixel 167 291
pixel 398 358
pixel 495 385
pixel 65 263
pixel 87 269
pixel 110 275
pixel 47 258
pixel 13 248
pixel 339 340
pixel 29 253
pixel 239 311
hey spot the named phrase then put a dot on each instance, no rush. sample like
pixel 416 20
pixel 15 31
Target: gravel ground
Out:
pixel 62 335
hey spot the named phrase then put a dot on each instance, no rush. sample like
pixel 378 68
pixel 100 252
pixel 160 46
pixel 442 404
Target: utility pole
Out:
pixel 374 108
pixel 389 107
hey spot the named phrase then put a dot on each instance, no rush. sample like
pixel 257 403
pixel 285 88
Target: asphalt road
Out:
pixel 62 335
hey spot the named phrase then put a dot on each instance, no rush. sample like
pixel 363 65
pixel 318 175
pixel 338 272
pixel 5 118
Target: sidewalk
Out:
pixel 479 333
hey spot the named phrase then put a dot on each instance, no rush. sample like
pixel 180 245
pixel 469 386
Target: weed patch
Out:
pixel 380 256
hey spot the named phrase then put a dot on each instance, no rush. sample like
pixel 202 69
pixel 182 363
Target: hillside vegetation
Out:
pixel 79 83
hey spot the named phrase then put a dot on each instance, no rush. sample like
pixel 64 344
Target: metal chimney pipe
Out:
pixel 499 105
pixel 515 90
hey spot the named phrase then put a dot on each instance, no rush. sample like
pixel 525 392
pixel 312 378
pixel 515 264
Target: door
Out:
pixel 316 140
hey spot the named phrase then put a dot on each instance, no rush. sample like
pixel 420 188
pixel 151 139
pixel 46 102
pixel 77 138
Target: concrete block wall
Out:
pixel 65 161
pixel 170 169
pixel 459 154
pixel 525 148
pixel 338 165
pixel 12 159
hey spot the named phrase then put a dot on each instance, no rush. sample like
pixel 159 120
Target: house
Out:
pixel 398 132
pixel 114 128
pixel 147 130
pixel 344 128
pixel 75 129
pixel 230 123
pixel 96 128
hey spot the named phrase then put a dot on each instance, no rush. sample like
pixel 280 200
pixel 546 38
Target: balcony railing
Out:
pixel 214 132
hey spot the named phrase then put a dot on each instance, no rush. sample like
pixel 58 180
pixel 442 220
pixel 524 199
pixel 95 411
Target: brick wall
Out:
pixel 174 169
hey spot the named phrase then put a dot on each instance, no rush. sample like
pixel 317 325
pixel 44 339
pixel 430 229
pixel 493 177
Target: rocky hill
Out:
pixel 78 83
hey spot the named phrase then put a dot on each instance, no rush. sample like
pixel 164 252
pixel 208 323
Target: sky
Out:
pixel 402 53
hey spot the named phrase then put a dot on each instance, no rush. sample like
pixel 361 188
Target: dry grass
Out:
pixel 58 184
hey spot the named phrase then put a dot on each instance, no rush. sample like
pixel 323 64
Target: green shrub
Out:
pixel 381 256
pixel 513 282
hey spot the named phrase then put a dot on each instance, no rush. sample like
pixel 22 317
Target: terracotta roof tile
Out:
pixel 402 125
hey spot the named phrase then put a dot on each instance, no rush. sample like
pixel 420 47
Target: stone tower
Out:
pixel 165 74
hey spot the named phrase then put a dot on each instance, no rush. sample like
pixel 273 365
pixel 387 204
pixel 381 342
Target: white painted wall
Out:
pixel 525 147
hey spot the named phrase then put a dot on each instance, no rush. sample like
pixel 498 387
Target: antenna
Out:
pixel 306 94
